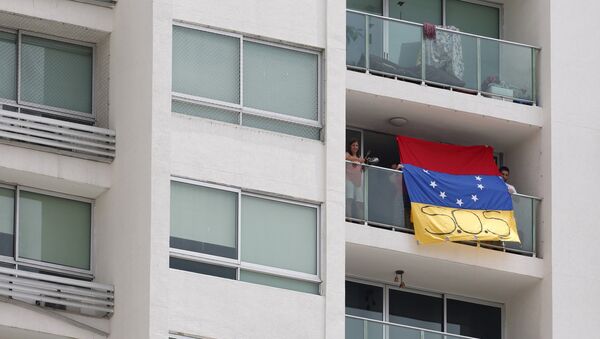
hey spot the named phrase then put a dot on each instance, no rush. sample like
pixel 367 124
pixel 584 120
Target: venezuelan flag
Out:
pixel 456 193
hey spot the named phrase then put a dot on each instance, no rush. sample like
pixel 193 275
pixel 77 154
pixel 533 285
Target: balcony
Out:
pixel 54 93
pixel 363 328
pixel 57 136
pixel 454 60
pixel 58 293
pixel 381 201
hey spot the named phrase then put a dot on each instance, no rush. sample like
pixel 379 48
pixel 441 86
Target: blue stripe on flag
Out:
pixel 473 192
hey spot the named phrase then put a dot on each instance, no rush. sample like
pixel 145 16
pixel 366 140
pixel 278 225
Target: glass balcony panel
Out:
pixel 525 215
pixel 405 43
pixel 363 329
pixel 359 328
pixel 355 39
pixel 386 197
pixel 355 191
pixel 403 333
pixel 451 59
pixel 506 70
pixel 375 27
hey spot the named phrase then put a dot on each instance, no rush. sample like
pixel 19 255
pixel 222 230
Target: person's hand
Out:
pixel 361 160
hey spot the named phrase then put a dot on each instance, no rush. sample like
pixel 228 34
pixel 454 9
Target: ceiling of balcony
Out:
pixel 437 114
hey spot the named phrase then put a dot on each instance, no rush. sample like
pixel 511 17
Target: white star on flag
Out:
pixel 480 186
pixel 459 202
pixel 474 197
pixel 433 184
pixel 478 178
pixel 443 195
pixel 426 171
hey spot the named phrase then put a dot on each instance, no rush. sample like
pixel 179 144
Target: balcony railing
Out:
pixel 455 60
pixel 376 196
pixel 363 328
pixel 57 136
pixel 57 292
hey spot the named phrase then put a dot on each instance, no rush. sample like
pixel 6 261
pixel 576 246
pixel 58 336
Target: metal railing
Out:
pixel 376 196
pixel 456 60
pixel 49 290
pixel 57 136
pixel 363 328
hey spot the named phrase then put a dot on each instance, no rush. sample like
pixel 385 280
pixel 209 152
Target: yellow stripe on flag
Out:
pixel 436 224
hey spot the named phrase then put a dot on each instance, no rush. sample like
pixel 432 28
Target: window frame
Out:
pixel 38 264
pixel 238 263
pixel 240 108
pixel 46 109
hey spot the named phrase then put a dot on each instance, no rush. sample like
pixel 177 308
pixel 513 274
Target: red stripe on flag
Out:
pixel 446 158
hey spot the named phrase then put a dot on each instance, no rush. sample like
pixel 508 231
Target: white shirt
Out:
pixel 511 188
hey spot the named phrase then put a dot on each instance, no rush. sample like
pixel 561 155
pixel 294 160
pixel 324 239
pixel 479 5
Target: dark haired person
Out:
pixel 505 174
pixel 354 178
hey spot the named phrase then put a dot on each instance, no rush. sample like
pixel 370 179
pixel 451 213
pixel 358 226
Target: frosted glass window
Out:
pixel 7 220
pixel 8 66
pixel 280 282
pixel 202 268
pixel 56 74
pixel 369 6
pixel 473 18
pixel 206 64
pixel 281 80
pixel 204 219
pixel 279 234
pixel 417 11
pixel 280 126
pixel 54 230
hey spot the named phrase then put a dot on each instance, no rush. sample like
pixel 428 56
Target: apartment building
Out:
pixel 175 168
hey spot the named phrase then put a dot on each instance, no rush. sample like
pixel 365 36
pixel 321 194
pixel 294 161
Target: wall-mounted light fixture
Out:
pixel 401 280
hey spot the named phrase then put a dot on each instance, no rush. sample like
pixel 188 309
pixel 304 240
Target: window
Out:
pixel 54 76
pixel 51 231
pixel 237 235
pixel 235 79
pixel 417 309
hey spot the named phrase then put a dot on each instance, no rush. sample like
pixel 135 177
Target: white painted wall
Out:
pixel 123 236
pixel 67 11
pixel 575 136
pixel 53 172
pixel 221 308
pixel 248 158
pixel 300 22
pixel 18 317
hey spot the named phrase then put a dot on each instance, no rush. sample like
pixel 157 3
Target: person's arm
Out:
pixel 352 158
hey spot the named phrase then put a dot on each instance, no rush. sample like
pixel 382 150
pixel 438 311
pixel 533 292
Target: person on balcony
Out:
pixel 505 174
pixel 354 179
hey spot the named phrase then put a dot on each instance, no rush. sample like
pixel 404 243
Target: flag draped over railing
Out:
pixel 456 193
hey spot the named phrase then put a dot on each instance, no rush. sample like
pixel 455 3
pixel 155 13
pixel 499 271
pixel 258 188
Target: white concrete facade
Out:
pixel 550 148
